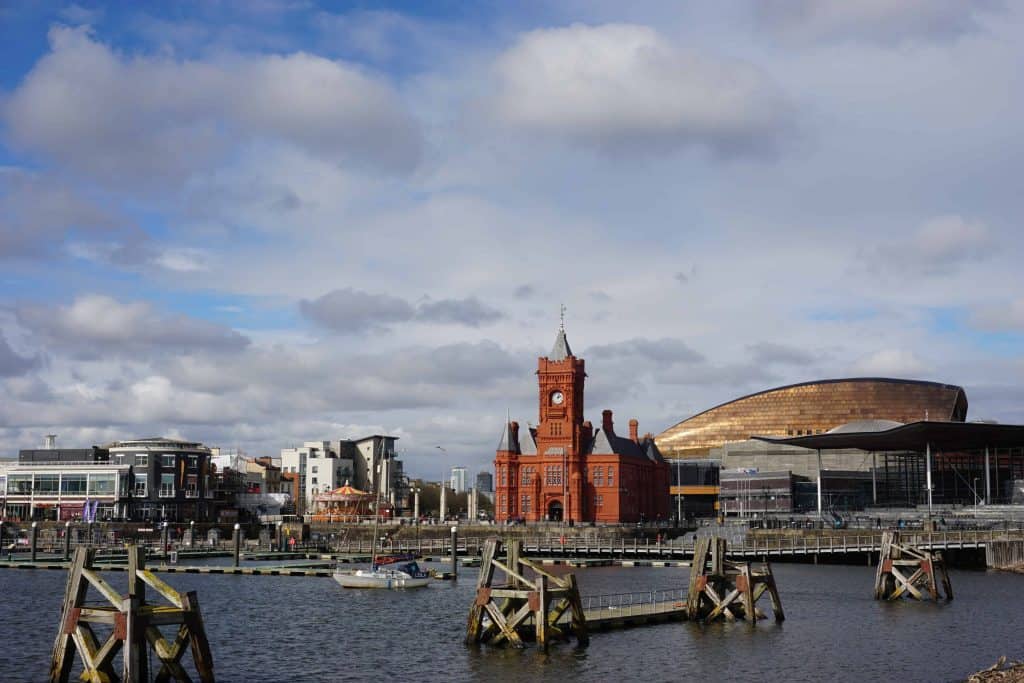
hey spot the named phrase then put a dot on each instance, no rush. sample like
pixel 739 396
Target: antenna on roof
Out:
pixel 561 325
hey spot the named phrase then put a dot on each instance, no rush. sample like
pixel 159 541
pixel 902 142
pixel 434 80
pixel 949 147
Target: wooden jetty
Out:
pixel 897 557
pixel 724 588
pixel 504 612
pixel 134 627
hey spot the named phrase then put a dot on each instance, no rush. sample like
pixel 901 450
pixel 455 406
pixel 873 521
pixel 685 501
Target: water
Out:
pixel 310 629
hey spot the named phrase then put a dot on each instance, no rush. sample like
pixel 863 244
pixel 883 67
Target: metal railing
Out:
pixel 633 604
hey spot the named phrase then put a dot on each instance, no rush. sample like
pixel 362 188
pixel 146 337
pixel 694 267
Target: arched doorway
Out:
pixel 555 511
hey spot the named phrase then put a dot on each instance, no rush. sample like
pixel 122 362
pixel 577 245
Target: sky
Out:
pixel 257 223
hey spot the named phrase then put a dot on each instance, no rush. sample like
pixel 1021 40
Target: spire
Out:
pixel 506 438
pixel 561 350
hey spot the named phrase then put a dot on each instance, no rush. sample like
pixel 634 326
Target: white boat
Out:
pixel 387 578
pixel 383 572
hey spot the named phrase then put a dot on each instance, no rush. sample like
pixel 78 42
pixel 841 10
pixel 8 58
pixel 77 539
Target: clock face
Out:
pixel 557 398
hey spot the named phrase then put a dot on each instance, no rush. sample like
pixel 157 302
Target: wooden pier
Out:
pixel 720 588
pixel 898 557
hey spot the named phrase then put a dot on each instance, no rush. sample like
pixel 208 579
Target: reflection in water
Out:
pixel 310 629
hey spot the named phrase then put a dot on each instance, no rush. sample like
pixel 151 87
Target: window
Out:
pixel 598 502
pixel 193 462
pixel 611 476
pixel 524 504
pixel 314 481
pixel 102 484
pixel 598 476
pixel 553 475
pixel 168 460
pixel 141 460
pixel 192 487
pixel 556 429
pixel 167 485
pixel 73 483
pixel 46 483
pixel 315 468
pixel 140 485
pixel 19 483
pixel 526 476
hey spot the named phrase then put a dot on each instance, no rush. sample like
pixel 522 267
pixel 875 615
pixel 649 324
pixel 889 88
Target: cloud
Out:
pixel 524 291
pixel 938 247
pixel 352 311
pixel 471 312
pixel 890 363
pixel 625 88
pixel 1004 317
pixel 12 364
pixel 664 351
pixel 766 353
pixel 39 213
pixel 885 22
pixel 96 326
pixel 151 119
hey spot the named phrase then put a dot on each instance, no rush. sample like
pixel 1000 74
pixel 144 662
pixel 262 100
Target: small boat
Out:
pixel 384 571
pixel 390 577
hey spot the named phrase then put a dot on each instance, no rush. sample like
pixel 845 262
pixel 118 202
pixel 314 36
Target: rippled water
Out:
pixel 310 629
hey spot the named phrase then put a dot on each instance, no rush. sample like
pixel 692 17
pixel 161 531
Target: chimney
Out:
pixel 588 430
pixel 51 442
pixel 633 427
pixel 606 422
pixel 515 431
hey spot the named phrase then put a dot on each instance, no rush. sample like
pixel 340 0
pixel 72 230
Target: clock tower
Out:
pixel 560 437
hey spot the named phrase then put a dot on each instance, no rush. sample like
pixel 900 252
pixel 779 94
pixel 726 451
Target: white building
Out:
pixel 458 479
pixel 368 464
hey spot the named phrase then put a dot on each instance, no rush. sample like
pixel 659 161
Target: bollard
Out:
pixel 90 534
pixel 67 541
pixel 192 534
pixel 455 552
pixel 164 531
pixel 238 542
pixel 280 547
pixel 34 538
pixel 1 534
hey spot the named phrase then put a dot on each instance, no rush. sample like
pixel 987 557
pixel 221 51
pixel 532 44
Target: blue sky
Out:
pixel 258 223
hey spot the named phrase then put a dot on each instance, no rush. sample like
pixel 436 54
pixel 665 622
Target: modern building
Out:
pixel 723 433
pixel 170 478
pixel 457 480
pixel 812 408
pixel 565 470
pixel 484 482
pixel 368 464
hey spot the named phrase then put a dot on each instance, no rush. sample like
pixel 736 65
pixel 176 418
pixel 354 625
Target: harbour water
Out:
pixel 310 629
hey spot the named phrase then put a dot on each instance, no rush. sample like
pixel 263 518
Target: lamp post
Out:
pixel 443 512
pixel 974 490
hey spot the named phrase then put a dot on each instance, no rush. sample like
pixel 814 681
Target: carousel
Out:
pixel 345 504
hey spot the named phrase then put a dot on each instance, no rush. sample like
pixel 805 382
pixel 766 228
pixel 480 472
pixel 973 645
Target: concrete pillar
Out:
pixel 1 534
pixel 280 539
pixel 67 541
pixel 455 552
pixel 238 542
pixel 165 532
pixel 472 504
pixel 444 502
pixel 34 540
pixel 988 479
pixel 416 505
pixel 819 483
pixel 928 474
pixel 874 481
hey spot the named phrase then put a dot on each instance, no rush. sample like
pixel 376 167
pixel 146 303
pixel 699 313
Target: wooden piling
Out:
pixel 523 605
pixel 904 570
pixel 721 588
pixel 135 627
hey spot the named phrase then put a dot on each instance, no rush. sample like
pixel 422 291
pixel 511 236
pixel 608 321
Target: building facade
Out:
pixel 565 470
pixel 170 478
pixel 458 479
pixel 484 482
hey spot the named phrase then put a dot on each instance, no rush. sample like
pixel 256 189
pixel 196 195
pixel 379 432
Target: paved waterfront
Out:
pixel 282 629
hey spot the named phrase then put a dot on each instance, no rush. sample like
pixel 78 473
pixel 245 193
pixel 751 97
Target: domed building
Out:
pixel 812 408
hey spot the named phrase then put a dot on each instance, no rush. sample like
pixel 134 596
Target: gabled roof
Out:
pixel 507 443
pixel 527 446
pixel 604 443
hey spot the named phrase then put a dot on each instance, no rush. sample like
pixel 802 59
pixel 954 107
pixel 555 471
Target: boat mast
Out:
pixel 376 520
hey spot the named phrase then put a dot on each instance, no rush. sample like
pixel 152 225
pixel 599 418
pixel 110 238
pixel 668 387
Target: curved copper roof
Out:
pixel 811 408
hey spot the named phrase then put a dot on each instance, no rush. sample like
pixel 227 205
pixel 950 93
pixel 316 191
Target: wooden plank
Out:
pixel 540 613
pixel 149 578
pixel 63 655
pixel 474 622
pixel 201 655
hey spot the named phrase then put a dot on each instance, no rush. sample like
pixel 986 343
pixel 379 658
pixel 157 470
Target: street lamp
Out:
pixel 974 490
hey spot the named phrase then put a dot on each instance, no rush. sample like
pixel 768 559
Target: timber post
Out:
pixel 67 541
pixel 904 570
pixel 722 588
pixel 523 605
pixel 34 539
pixel 455 552
pixel 238 543
pixel 133 627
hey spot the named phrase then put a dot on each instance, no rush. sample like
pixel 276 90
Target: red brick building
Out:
pixel 564 469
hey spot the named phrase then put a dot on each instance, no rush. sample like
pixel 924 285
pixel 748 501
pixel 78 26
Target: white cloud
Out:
pixel 875 21
pixel 1005 317
pixel 95 325
pixel 624 88
pixel 146 120
pixel 890 363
